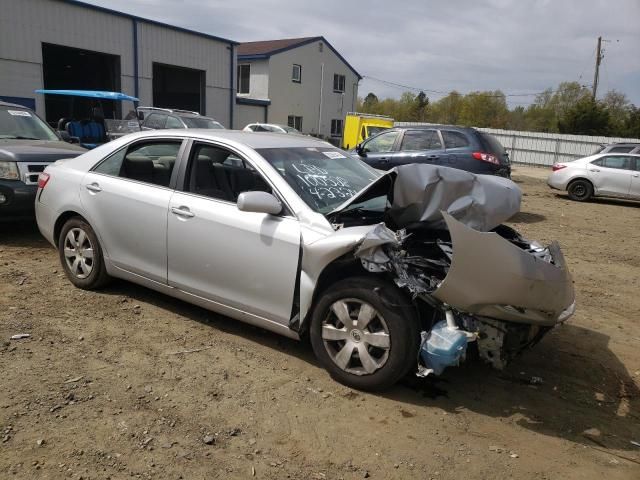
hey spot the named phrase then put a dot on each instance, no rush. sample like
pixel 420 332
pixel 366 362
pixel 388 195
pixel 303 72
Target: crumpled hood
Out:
pixel 419 193
pixel 37 150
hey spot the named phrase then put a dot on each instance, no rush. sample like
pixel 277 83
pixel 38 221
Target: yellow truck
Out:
pixel 359 126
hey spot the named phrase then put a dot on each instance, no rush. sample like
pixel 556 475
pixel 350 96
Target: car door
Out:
pixel 378 151
pixel 611 175
pixel 420 146
pixel 126 199
pixel 634 191
pixel 244 260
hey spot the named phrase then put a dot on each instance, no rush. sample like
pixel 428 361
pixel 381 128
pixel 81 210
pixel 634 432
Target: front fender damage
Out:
pixel 494 288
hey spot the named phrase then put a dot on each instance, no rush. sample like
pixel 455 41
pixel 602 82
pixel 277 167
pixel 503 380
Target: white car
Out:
pixel 601 175
pixel 271 127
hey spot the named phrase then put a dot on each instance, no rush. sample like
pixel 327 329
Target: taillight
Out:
pixel 558 166
pixel 486 157
pixel 43 179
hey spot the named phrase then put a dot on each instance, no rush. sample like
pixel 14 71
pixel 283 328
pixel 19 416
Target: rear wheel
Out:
pixel 580 190
pixel 81 255
pixel 364 333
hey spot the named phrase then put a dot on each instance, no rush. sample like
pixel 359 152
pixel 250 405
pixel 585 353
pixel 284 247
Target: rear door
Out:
pixel 244 260
pixel 457 148
pixel 420 146
pixel 612 174
pixel 126 197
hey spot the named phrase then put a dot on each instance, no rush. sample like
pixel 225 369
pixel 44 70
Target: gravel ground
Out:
pixel 100 390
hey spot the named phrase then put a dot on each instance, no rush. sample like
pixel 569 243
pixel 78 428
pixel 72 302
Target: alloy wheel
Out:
pixel 78 253
pixel 356 337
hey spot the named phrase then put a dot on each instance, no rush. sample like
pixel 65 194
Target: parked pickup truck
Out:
pixel 27 146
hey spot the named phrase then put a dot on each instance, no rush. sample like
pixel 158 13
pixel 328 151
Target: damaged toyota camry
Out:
pixel 406 271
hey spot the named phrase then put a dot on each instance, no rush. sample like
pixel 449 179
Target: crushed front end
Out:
pixel 493 289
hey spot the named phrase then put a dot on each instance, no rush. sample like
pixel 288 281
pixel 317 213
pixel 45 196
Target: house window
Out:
pixel 296 74
pixel 338 83
pixel 336 128
pixel 244 72
pixel 295 122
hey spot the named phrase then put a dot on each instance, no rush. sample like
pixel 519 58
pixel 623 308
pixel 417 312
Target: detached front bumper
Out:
pixel 491 277
pixel 18 199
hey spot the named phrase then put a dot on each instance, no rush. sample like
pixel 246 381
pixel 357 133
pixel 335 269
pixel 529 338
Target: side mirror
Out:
pixel 360 150
pixel 259 202
pixel 140 115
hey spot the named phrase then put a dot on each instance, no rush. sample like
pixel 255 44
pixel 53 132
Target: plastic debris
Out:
pixel 20 336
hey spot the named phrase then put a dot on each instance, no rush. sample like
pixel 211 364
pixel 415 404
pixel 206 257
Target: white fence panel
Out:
pixel 545 149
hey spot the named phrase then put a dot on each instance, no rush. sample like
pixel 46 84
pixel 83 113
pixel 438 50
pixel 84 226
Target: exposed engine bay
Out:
pixel 478 284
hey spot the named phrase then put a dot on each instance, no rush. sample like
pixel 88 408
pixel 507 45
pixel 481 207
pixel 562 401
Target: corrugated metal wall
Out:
pixel 26 24
pixel 544 149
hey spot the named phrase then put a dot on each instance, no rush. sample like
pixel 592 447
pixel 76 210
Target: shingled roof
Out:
pixel 267 48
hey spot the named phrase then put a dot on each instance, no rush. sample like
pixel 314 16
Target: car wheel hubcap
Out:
pixel 356 337
pixel 78 253
pixel 579 190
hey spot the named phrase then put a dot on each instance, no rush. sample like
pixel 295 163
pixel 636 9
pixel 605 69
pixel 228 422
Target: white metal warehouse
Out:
pixel 66 44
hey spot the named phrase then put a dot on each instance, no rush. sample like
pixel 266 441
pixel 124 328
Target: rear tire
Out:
pixel 81 255
pixel 580 190
pixel 365 333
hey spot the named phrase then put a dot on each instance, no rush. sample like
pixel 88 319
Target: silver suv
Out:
pixel 619 148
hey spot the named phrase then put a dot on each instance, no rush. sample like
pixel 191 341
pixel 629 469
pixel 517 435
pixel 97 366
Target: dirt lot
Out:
pixel 99 392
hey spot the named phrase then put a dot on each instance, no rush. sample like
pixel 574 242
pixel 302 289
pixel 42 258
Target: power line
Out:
pixel 440 92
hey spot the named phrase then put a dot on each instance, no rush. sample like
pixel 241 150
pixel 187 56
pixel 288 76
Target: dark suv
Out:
pixel 458 147
pixel 27 146
pixel 155 118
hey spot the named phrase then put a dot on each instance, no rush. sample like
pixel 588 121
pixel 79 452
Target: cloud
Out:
pixel 517 46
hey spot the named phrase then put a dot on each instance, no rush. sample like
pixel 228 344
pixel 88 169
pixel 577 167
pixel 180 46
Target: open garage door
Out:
pixel 178 87
pixel 72 68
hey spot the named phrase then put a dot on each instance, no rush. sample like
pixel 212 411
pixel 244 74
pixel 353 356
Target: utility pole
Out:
pixel 596 75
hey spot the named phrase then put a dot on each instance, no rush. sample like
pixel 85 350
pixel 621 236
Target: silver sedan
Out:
pixel 601 175
pixel 295 236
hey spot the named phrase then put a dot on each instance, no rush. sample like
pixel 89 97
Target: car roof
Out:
pixel 434 125
pixel 264 140
pixel 12 105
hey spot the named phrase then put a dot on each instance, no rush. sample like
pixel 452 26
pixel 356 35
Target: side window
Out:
pixel 618 162
pixel 174 122
pixel 296 73
pixel 454 139
pixel 382 143
pixel 597 162
pixel 420 140
pixel 218 173
pixel 149 162
pixel 156 121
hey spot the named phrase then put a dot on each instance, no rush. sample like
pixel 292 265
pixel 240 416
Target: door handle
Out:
pixel 636 174
pixel 383 159
pixel 93 187
pixel 433 157
pixel 182 212
pixel 594 170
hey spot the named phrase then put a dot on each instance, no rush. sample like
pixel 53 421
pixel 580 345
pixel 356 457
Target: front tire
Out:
pixel 81 255
pixel 580 190
pixel 365 333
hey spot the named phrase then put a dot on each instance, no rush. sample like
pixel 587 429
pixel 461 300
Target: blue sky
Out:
pixel 517 46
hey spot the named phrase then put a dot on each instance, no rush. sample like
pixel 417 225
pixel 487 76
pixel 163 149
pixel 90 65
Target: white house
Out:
pixel 302 82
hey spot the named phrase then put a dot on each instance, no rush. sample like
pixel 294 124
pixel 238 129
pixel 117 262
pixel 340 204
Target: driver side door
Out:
pixel 378 151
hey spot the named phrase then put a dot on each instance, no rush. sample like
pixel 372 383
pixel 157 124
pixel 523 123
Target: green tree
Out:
pixel 618 107
pixel 370 103
pixel 586 117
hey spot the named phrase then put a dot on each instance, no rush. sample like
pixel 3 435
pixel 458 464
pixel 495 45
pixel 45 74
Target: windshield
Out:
pixel 202 122
pixel 324 177
pixel 23 124
pixel 375 130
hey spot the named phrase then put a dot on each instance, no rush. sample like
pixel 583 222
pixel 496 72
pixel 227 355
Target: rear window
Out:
pixel 454 139
pixel 620 149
